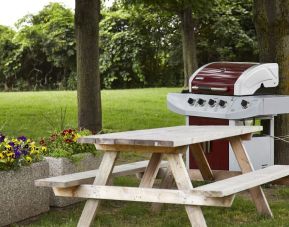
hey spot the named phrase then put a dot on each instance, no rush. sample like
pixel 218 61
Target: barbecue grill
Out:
pixel 233 93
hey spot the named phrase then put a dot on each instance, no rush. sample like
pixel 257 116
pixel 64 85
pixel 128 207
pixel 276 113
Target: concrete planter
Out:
pixel 62 166
pixel 19 198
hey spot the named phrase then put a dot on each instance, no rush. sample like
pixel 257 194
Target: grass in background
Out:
pixel 36 114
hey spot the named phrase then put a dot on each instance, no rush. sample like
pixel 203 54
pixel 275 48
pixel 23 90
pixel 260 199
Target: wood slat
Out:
pixel 201 161
pixel 152 195
pixel 102 177
pixel 171 136
pixel 183 182
pixel 87 177
pixel 245 164
pixel 243 182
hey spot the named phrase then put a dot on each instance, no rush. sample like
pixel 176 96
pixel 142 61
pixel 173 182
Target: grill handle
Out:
pixel 222 89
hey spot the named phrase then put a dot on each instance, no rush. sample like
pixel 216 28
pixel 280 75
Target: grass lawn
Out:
pixel 37 114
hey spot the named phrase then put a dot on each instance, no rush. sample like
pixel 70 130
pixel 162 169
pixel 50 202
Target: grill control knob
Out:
pixel 212 102
pixel 244 104
pixel 191 101
pixel 201 102
pixel 222 103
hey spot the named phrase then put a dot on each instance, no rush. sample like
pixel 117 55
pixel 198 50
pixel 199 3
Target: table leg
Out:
pixel 151 171
pixel 103 173
pixel 245 164
pixel 201 161
pixel 183 182
pixel 166 182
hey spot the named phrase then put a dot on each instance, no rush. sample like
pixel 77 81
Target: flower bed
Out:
pixel 15 153
pixel 19 198
pixel 66 156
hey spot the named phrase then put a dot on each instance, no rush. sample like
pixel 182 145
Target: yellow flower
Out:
pixel 8 148
pixel 10 154
pixel 28 159
pixel 1 156
pixel 44 149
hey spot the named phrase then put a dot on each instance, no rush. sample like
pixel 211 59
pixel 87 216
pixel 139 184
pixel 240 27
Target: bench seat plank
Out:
pixel 243 182
pixel 87 177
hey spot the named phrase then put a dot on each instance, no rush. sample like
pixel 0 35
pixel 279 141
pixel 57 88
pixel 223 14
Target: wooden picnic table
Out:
pixel 172 142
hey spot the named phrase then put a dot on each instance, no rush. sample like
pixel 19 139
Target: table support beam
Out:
pixel 167 182
pixel 105 169
pixel 151 171
pixel 246 166
pixel 201 161
pixel 183 182
pixel 153 195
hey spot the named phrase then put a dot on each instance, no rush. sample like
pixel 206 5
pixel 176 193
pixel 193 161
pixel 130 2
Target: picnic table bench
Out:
pixel 171 142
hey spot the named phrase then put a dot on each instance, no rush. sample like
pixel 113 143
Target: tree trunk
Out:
pixel 271 19
pixel 189 44
pixel 87 13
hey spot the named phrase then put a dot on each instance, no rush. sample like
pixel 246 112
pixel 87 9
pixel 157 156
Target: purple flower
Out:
pixel 25 152
pixel 11 144
pixel 23 138
pixel 17 154
pixel 2 137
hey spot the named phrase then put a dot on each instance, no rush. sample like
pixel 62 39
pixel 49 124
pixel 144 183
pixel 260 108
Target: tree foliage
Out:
pixel 140 44
pixel 140 47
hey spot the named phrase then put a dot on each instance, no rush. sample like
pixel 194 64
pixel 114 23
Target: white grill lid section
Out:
pixel 256 76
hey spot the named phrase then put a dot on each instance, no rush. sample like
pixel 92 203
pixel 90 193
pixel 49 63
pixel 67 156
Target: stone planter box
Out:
pixel 19 198
pixel 62 166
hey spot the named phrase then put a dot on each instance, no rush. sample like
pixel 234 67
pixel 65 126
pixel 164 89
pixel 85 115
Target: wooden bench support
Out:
pixel 153 195
pixel 101 178
pixel 201 161
pixel 183 182
pixel 257 193
pixel 167 182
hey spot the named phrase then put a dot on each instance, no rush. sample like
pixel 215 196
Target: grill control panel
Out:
pixel 226 107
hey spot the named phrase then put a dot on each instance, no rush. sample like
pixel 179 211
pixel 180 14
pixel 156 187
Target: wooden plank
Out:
pixel 201 161
pixel 88 177
pixel 102 177
pixel 183 182
pixel 196 175
pixel 243 182
pixel 167 182
pixel 246 166
pixel 138 148
pixel 170 137
pixel 169 196
pixel 151 171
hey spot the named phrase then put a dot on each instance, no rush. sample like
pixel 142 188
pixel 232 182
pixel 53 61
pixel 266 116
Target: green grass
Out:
pixel 29 113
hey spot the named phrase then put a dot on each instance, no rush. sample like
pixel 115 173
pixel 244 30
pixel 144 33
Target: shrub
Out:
pixel 64 143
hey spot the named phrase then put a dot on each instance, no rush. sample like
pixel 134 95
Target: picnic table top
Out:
pixel 170 136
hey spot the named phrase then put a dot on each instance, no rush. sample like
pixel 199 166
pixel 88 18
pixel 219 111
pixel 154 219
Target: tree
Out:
pixel 139 48
pixel 189 42
pixel 87 16
pixel 226 32
pixel 184 10
pixel 272 26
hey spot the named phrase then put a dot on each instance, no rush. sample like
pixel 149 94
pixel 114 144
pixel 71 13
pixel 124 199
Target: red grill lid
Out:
pixel 218 78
